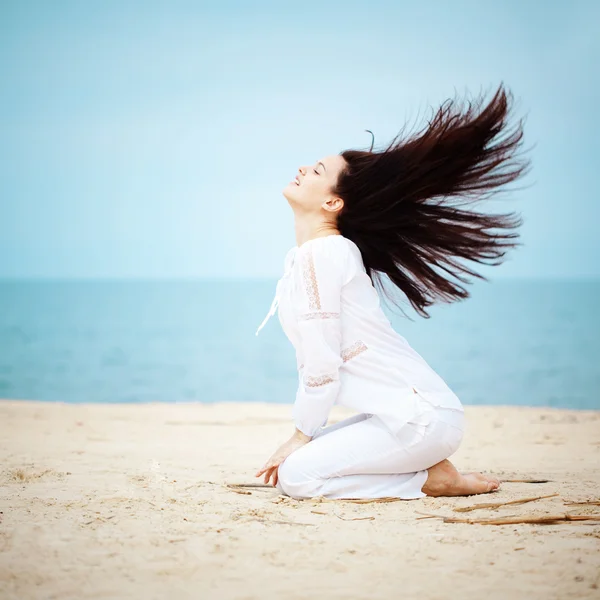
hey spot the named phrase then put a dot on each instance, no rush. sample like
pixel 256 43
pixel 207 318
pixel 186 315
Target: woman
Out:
pixel 401 212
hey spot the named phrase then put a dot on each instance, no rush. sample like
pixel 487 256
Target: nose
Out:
pixel 302 170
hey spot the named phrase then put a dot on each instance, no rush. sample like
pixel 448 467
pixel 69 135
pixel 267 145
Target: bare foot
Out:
pixel 444 480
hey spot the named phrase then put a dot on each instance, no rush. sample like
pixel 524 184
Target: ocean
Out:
pixel 514 342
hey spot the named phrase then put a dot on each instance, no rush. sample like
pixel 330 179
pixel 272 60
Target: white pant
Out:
pixel 360 457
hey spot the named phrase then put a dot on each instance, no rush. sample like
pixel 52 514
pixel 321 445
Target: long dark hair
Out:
pixel 404 205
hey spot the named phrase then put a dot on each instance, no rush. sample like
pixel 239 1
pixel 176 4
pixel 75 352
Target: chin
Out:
pixel 290 191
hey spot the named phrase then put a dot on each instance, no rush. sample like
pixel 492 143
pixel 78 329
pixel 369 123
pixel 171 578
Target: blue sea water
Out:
pixel 514 342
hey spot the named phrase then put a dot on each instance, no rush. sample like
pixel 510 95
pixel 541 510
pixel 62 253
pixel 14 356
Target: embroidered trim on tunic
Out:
pixel 318 381
pixel 319 315
pixel 310 282
pixel 354 350
pixel 350 352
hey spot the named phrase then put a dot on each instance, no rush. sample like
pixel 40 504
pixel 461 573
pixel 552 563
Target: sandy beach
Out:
pixel 132 501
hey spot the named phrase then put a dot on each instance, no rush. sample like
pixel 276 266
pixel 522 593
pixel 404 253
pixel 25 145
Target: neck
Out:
pixel 308 230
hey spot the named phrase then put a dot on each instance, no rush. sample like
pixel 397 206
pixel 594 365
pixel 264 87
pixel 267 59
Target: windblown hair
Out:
pixel 406 207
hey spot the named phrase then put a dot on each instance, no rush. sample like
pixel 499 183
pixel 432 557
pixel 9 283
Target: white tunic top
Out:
pixel 347 352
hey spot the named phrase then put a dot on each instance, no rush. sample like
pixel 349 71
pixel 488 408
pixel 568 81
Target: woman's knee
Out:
pixel 294 481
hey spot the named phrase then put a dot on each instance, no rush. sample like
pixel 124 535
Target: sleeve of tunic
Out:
pixel 323 270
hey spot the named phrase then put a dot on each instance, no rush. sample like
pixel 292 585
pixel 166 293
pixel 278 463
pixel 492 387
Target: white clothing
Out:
pixel 347 352
pixel 360 457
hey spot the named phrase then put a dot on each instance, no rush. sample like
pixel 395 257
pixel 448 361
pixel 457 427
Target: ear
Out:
pixel 333 204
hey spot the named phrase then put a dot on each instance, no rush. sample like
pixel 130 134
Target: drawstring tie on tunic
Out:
pixel 275 302
pixel 271 312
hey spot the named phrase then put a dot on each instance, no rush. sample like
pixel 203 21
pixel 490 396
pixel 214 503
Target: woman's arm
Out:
pixel 318 304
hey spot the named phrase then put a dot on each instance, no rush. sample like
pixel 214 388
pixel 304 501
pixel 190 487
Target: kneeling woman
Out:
pixel 402 212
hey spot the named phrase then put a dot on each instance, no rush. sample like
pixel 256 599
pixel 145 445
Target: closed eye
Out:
pixel 315 171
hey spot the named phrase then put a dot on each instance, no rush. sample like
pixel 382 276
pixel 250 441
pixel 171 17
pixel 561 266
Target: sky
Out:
pixel 154 139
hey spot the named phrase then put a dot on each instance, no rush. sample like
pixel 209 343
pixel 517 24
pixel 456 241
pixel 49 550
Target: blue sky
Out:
pixel 153 139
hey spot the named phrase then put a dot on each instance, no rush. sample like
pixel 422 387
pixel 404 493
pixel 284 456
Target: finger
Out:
pixel 270 474
pixel 275 475
pixel 267 466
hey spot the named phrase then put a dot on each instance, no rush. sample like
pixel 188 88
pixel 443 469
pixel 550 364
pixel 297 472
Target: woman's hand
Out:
pixel 271 466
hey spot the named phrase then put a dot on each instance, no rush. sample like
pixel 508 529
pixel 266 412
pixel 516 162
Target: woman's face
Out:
pixel 312 187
